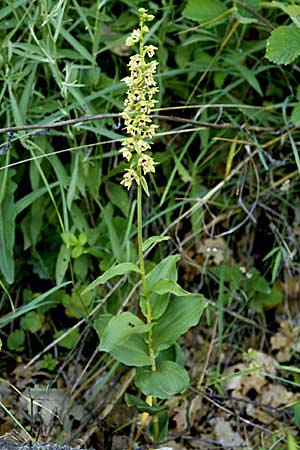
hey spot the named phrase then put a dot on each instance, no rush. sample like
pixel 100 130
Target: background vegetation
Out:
pixel 226 191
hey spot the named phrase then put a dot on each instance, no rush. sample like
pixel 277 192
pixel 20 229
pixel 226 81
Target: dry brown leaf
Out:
pixel 178 410
pixel 275 395
pixel 286 341
pixel 225 434
pixel 241 379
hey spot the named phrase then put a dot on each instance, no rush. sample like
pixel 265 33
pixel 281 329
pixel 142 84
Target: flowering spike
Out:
pixel 141 88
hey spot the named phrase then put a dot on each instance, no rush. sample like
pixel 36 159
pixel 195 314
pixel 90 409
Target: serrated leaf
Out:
pixel 153 239
pixel 120 328
pixel 203 10
pixel 119 269
pixel 168 379
pixel 283 45
pixel 181 314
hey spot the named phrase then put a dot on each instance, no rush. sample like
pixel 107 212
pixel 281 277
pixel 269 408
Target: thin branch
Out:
pixel 61 123
pixel 171 118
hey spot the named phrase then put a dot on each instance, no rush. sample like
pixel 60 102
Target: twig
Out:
pixel 60 123
pixel 229 126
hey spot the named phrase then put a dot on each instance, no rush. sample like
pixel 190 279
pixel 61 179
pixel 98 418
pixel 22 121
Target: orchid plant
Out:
pixel 147 343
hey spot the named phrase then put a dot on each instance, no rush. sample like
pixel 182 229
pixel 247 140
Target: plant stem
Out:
pixel 151 399
pixel 142 269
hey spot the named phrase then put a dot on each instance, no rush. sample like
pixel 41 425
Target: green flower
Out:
pixel 141 88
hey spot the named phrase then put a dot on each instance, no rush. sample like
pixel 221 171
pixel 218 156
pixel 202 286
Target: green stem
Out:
pixel 144 291
pixel 142 269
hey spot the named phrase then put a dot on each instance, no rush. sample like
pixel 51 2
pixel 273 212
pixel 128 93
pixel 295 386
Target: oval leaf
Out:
pixel 283 45
pixel 134 352
pixel 120 328
pixel 181 314
pixel 169 379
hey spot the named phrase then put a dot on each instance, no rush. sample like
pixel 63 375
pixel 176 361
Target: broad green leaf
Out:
pixel 133 352
pixel 120 328
pixel 283 45
pixel 165 269
pixel 203 10
pixel 158 303
pixel 119 269
pixel 181 314
pixel 153 239
pixel 141 406
pixel 168 287
pixel 173 353
pixel 62 263
pixel 101 323
pixel 169 379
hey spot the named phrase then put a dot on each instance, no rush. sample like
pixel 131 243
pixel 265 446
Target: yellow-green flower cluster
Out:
pixel 138 104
